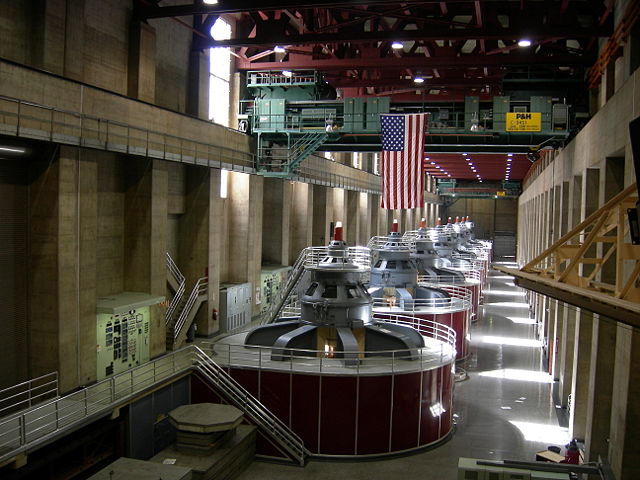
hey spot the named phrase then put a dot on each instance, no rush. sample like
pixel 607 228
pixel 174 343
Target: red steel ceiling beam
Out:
pixel 145 10
pixel 471 33
pixel 307 63
pixel 239 6
pixel 343 82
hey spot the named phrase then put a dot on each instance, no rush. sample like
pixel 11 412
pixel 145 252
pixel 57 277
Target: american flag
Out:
pixel 402 160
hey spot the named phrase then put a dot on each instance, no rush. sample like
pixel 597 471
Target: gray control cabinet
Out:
pixel 235 306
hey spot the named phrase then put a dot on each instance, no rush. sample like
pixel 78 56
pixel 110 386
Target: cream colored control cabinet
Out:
pixel 123 323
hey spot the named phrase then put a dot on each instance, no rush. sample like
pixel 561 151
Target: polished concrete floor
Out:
pixel 504 409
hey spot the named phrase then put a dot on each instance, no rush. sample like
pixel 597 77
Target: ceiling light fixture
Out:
pixel 418 80
pixel 397 45
pixel 210 2
pixel 12 150
pixel 278 49
pixel 524 42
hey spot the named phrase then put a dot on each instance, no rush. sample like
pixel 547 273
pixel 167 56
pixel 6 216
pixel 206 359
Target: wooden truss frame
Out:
pixel 570 270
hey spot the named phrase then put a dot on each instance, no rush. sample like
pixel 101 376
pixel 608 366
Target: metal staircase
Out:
pixel 185 313
pixel 34 427
pixel 282 161
pixel 251 406
pixel 181 311
pixel 176 281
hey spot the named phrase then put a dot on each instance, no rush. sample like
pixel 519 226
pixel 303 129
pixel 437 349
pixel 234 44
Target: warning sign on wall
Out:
pixel 524 122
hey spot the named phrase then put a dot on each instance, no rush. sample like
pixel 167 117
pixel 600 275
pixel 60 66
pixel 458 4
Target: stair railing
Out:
pixel 279 302
pixel 251 406
pixel 177 297
pixel 200 288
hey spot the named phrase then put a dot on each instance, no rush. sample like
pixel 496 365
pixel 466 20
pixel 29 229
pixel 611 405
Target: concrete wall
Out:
pixel 488 214
pixel 96 42
pixel 595 354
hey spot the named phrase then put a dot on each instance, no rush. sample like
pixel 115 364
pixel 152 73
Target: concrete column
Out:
pixel 63 228
pixel 88 233
pixel 340 207
pixel 567 341
pixel 43 272
pixel 217 240
pixel 603 349
pixel 276 220
pixel 301 226
pixel 245 230
pixel 196 227
pixel 256 212
pixel 611 183
pixel 74 39
pixel 555 329
pixel 565 209
pixel 576 203
pixel 141 81
pixel 69 322
pixel 384 221
pixel 580 385
pixel 590 204
pixel 353 217
pixel 364 214
pixel 625 408
pixel 374 209
pixel 198 84
pixel 48 39
pixel 145 240
pixel 322 215
pixel 407 220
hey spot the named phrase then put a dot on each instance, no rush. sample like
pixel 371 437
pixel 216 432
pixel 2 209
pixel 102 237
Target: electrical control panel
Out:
pixel 123 341
pixel 272 280
pixel 123 324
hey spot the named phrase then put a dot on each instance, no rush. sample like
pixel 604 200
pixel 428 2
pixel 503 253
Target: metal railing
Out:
pixel 27 394
pixel 471 275
pixel 32 120
pixel 378 242
pixel 320 171
pixel 251 406
pixel 199 289
pixel 321 362
pixel 177 297
pixel 358 255
pixel 49 420
pixel 459 299
pixel 45 422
